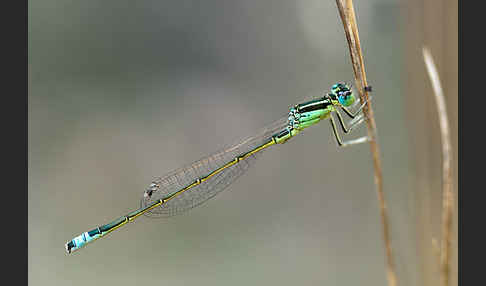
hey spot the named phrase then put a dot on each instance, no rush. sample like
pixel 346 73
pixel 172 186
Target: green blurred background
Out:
pixel 123 91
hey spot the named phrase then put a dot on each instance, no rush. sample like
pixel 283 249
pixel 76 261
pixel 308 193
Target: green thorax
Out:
pixel 304 115
pixel 309 113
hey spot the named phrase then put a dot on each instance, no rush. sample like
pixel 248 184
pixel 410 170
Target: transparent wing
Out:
pixel 183 177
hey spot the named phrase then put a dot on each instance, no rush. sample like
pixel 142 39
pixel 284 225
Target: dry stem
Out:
pixel 351 30
pixel 447 194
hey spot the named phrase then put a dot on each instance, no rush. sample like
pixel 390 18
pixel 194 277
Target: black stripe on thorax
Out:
pixel 316 104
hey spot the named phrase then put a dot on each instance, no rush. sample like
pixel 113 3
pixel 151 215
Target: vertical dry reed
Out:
pixel 447 193
pixel 346 11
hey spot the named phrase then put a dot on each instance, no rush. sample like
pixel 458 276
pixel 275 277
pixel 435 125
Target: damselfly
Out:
pixel 196 183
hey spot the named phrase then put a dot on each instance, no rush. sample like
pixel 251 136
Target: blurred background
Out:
pixel 123 91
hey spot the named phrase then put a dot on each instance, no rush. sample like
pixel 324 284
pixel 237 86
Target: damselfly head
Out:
pixel 343 93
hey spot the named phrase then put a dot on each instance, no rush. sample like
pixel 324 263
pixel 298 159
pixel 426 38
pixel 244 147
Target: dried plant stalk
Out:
pixel 351 31
pixel 447 193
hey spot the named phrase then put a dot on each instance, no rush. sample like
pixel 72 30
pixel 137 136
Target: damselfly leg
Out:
pixel 353 114
pixel 342 143
pixel 357 119
pixel 352 124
